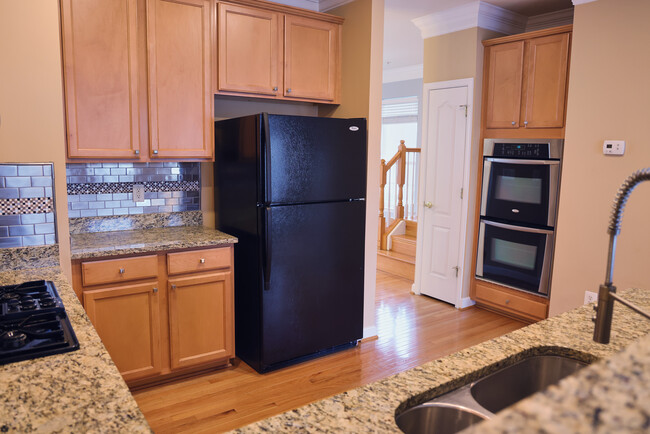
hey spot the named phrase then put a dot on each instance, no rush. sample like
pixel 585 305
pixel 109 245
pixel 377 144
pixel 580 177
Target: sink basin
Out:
pixel 436 418
pixel 514 383
pixel 477 401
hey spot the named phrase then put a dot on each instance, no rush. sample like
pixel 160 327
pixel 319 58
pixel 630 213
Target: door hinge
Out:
pixel 465 107
pixel 461 192
pixel 456 268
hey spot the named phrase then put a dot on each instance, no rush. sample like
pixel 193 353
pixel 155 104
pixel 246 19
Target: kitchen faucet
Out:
pixel 607 291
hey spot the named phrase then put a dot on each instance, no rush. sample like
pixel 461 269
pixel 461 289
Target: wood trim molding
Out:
pixel 476 14
pixel 275 7
pixel 551 19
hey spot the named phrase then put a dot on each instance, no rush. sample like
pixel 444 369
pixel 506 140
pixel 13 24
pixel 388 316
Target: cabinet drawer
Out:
pixel 507 301
pixel 198 260
pixel 119 270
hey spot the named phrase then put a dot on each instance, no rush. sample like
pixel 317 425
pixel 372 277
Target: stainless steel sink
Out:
pixel 470 404
pixel 445 419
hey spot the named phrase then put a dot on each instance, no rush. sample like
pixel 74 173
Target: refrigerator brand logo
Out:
pixel 354 128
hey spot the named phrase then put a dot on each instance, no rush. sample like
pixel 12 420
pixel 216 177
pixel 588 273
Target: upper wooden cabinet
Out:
pixel 271 51
pixel 526 82
pixel 138 79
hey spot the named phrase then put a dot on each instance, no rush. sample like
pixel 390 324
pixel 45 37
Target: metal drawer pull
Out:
pixel 525 122
pixel 155 151
pixel 122 270
pixel 275 89
pixel 289 90
pixel 513 122
pixel 507 301
pixel 173 286
pixel 155 290
pixel 137 152
pixel 202 260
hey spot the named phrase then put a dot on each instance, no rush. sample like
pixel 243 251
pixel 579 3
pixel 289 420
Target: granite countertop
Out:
pixel 80 391
pixel 611 395
pixel 128 242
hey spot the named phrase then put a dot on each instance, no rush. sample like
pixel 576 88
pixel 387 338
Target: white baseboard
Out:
pixel 465 302
pixel 369 332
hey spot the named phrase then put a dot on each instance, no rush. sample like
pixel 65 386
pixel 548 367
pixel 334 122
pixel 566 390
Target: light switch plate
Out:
pixel 138 193
pixel 614 147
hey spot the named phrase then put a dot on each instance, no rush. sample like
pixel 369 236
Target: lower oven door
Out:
pixel 515 256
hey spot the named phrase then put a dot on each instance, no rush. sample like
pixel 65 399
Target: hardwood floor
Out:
pixel 412 330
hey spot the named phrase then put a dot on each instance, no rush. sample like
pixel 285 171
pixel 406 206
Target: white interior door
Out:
pixel 445 138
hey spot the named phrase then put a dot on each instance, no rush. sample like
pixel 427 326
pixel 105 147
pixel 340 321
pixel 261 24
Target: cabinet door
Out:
pixel 250 50
pixel 201 319
pixel 547 64
pixel 504 83
pixel 100 67
pixel 311 58
pixel 180 93
pixel 127 320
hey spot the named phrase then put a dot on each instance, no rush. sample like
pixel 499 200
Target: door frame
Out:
pixel 464 220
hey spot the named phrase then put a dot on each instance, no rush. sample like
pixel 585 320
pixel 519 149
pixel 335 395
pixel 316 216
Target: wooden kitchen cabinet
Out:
pixel 274 51
pixel 525 84
pixel 177 322
pixel 138 82
pixel 127 319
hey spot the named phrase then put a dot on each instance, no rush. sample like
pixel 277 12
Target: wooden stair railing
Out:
pixel 400 159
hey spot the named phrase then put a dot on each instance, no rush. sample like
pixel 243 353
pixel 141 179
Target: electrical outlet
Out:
pixel 138 193
pixel 591 297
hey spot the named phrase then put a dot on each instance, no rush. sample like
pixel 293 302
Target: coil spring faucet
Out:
pixel 607 291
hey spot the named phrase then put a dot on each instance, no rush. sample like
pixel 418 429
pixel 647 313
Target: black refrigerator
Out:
pixel 292 190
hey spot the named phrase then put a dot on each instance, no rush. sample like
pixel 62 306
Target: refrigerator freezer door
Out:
pixel 313 299
pixel 311 159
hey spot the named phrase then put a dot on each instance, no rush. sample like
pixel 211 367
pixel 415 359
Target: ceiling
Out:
pixel 403 45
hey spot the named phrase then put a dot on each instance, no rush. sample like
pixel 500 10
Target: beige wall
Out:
pixel 31 96
pixel 450 57
pixel 361 97
pixel 609 94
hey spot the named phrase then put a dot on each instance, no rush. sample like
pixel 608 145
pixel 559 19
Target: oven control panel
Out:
pixel 521 150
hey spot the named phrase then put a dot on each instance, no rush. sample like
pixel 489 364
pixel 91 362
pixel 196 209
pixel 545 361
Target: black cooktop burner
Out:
pixel 33 322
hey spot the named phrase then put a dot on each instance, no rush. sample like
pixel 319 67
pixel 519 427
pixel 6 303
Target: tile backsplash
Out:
pixel 105 189
pixel 26 205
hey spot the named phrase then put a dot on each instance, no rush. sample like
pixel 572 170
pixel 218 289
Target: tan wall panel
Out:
pixel 31 97
pixel 608 99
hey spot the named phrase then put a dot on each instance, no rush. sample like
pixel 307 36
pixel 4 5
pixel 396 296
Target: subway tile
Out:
pixel 179 208
pixel 172 201
pixel 175 171
pixel 32 219
pixel 134 171
pixel 74 214
pixel 178 193
pixel 16 231
pixel 150 195
pixel 49 217
pixel 44 228
pixel 127 203
pixel 155 178
pixel 41 181
pixel 104 212
pixel 126 178
pixel 167 208
pixel 120 211
pixel 109 164
pixel 171 164
pixel 8 170
pixel 136 210
pixel 79 205
pixel 34 240
pixel 156 164
pixel 120 196
pixel 18 181
pixel 88 213
pixel 87 197
pixel 9 193
pixel 157 202
pixel 29 170
pixel 47 170
pixel 171 178
pixel 96 205
pixel 150 209
pixel 78 172
pixel 104 171
pixel 105 197
pixel 2 182
pixel 9 220
pixel 117 171
pixel 125 164
pixel 11 242
pixel 95 179
pixel 4 231
pixel 112 204
pixel 164 194
pixel 76 179
pixel 48 192
pixel 32 192
pixel 50 239
pixel 110 179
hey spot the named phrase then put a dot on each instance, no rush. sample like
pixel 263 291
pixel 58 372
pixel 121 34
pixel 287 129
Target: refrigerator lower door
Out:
pixel 314 270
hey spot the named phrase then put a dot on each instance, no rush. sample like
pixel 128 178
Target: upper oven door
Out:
pixel 521 191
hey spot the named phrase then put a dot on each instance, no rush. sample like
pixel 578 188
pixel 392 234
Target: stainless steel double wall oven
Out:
pixel 519 198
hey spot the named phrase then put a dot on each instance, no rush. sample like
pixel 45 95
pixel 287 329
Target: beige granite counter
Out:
pixel 611 395
pixel 80 391
pixel 98 244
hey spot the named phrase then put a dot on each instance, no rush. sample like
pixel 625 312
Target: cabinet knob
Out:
pixel 137 152
pixel 507 301
pixel 525 123
pixel 275 89
pixel 122 270
pixel 173 286
pixel 155 151
pixel 289 90
pixel 155 290
pixel 513 122
pixel 202 260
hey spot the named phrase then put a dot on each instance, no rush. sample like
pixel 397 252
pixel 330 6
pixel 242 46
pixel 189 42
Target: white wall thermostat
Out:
pixel 614 147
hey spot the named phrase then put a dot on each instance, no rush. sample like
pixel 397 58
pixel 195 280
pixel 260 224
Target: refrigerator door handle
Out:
pixel 266 264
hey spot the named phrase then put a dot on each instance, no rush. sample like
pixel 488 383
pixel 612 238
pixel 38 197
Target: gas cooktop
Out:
pixel 33 322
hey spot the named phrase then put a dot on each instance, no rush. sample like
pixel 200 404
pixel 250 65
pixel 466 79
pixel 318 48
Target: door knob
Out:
pixel 428 204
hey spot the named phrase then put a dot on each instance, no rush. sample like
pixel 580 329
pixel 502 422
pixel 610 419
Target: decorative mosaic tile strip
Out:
pixel 127 187
pixel 133 222
pixel 27 205
pixel 29 257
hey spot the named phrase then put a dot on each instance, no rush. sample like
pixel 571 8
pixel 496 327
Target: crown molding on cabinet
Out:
pixel 326 5
pixel 551 19
pixel 581 2
pixel 477 14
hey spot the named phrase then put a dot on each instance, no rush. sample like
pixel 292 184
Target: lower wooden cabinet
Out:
pixel 510 302
pixel 162 327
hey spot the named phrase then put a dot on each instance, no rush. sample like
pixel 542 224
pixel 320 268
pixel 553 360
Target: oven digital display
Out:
pixel 519 189
pixel 514 254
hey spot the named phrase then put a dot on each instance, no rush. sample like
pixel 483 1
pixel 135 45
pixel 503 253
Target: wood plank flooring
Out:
pixel 412 330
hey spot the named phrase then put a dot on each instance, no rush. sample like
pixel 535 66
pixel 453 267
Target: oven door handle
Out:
pixel 517 227
pixel 516 161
